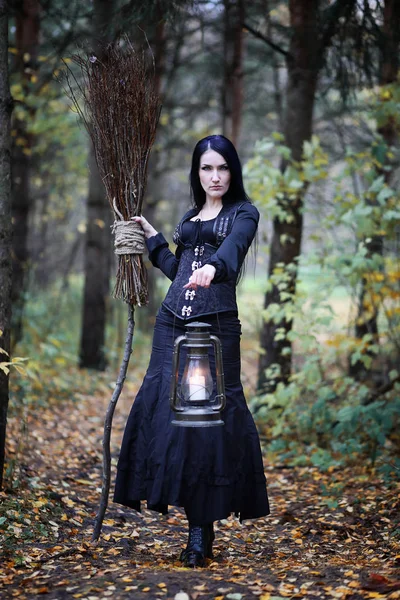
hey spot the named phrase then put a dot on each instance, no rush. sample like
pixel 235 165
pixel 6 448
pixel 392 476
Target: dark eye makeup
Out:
pixel 208 167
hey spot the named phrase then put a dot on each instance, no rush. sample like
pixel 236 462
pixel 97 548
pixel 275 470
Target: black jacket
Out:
pixel 233 233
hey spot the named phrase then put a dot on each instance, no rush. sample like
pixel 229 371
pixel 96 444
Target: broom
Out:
pixel 115 96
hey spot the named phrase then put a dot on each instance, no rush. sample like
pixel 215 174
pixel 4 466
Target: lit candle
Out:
pixel 197 388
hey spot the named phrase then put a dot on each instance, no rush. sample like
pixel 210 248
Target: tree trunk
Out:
pixel 232 91
pixel 303 67
pixel 27 42
pixel 365 322
pixel 98 240
pixel 5 225
pixel 146 316
pixel 275 72
pixel 97 267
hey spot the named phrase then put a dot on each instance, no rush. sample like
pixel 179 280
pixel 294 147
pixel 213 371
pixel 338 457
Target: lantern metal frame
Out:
pixel 198 340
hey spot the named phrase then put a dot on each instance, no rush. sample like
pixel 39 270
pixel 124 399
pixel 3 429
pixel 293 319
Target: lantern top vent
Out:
pixel 197 325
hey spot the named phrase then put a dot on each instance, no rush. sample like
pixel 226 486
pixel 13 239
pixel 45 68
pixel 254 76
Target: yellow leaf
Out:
pixel 164 119
pixel 39 503
pixel 68 501
pixel 296 533
pixel 60 360
pixel 146 589
pixel 161 585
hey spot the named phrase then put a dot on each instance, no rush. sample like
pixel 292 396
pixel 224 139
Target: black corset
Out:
pixel 198 241
pixel 222 242
pixel 190 303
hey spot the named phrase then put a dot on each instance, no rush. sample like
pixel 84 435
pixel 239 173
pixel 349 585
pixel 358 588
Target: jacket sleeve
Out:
pixel 230 255
pixel 161 256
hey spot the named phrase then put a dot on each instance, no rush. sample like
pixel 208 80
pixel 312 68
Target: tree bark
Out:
pixel 275 72
pixel 303 63
pixel 232 91
pixel 27 42
pixel 5 225
pixel 146 316
pixel 97 265
pixel 98 241
pixel 365 321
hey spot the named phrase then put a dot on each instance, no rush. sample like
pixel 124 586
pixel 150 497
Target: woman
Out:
pixel 210 471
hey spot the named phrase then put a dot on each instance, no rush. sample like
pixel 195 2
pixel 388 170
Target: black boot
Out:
pixel 199 546
pixel 211 538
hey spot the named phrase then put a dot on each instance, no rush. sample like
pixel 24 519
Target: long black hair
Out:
pixel 223 146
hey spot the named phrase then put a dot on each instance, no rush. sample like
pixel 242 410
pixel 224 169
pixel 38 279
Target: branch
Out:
pixel 330 19
pixel 381 391
pixel 108 424
pixel 269 42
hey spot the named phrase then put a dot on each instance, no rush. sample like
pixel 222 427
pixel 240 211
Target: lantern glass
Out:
pixel 197 383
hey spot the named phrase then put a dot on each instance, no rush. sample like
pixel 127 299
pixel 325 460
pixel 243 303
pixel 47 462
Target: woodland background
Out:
pixel 308 90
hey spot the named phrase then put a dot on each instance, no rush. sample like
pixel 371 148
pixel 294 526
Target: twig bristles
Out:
pixel 120 110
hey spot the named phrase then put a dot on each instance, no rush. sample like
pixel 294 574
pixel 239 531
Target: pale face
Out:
pixel 214 174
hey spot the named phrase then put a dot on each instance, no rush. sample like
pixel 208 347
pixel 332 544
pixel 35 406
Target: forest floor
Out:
pixel 330 534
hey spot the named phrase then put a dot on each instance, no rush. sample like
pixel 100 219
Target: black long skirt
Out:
pixel 210 471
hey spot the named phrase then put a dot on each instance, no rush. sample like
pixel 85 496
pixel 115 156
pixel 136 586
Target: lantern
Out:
pixel 194 401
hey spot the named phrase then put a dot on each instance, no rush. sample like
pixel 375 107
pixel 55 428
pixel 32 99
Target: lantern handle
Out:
pixel 219 372
pixel 175 373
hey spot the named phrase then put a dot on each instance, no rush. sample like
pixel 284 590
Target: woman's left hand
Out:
pixel 201 277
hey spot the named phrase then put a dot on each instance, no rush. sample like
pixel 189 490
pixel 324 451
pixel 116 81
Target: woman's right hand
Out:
pixel 148 229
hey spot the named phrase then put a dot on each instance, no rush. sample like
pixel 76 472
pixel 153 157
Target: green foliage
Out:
pixel 50 373
pixel 275 189
pixel 51 342
pixel 324 415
